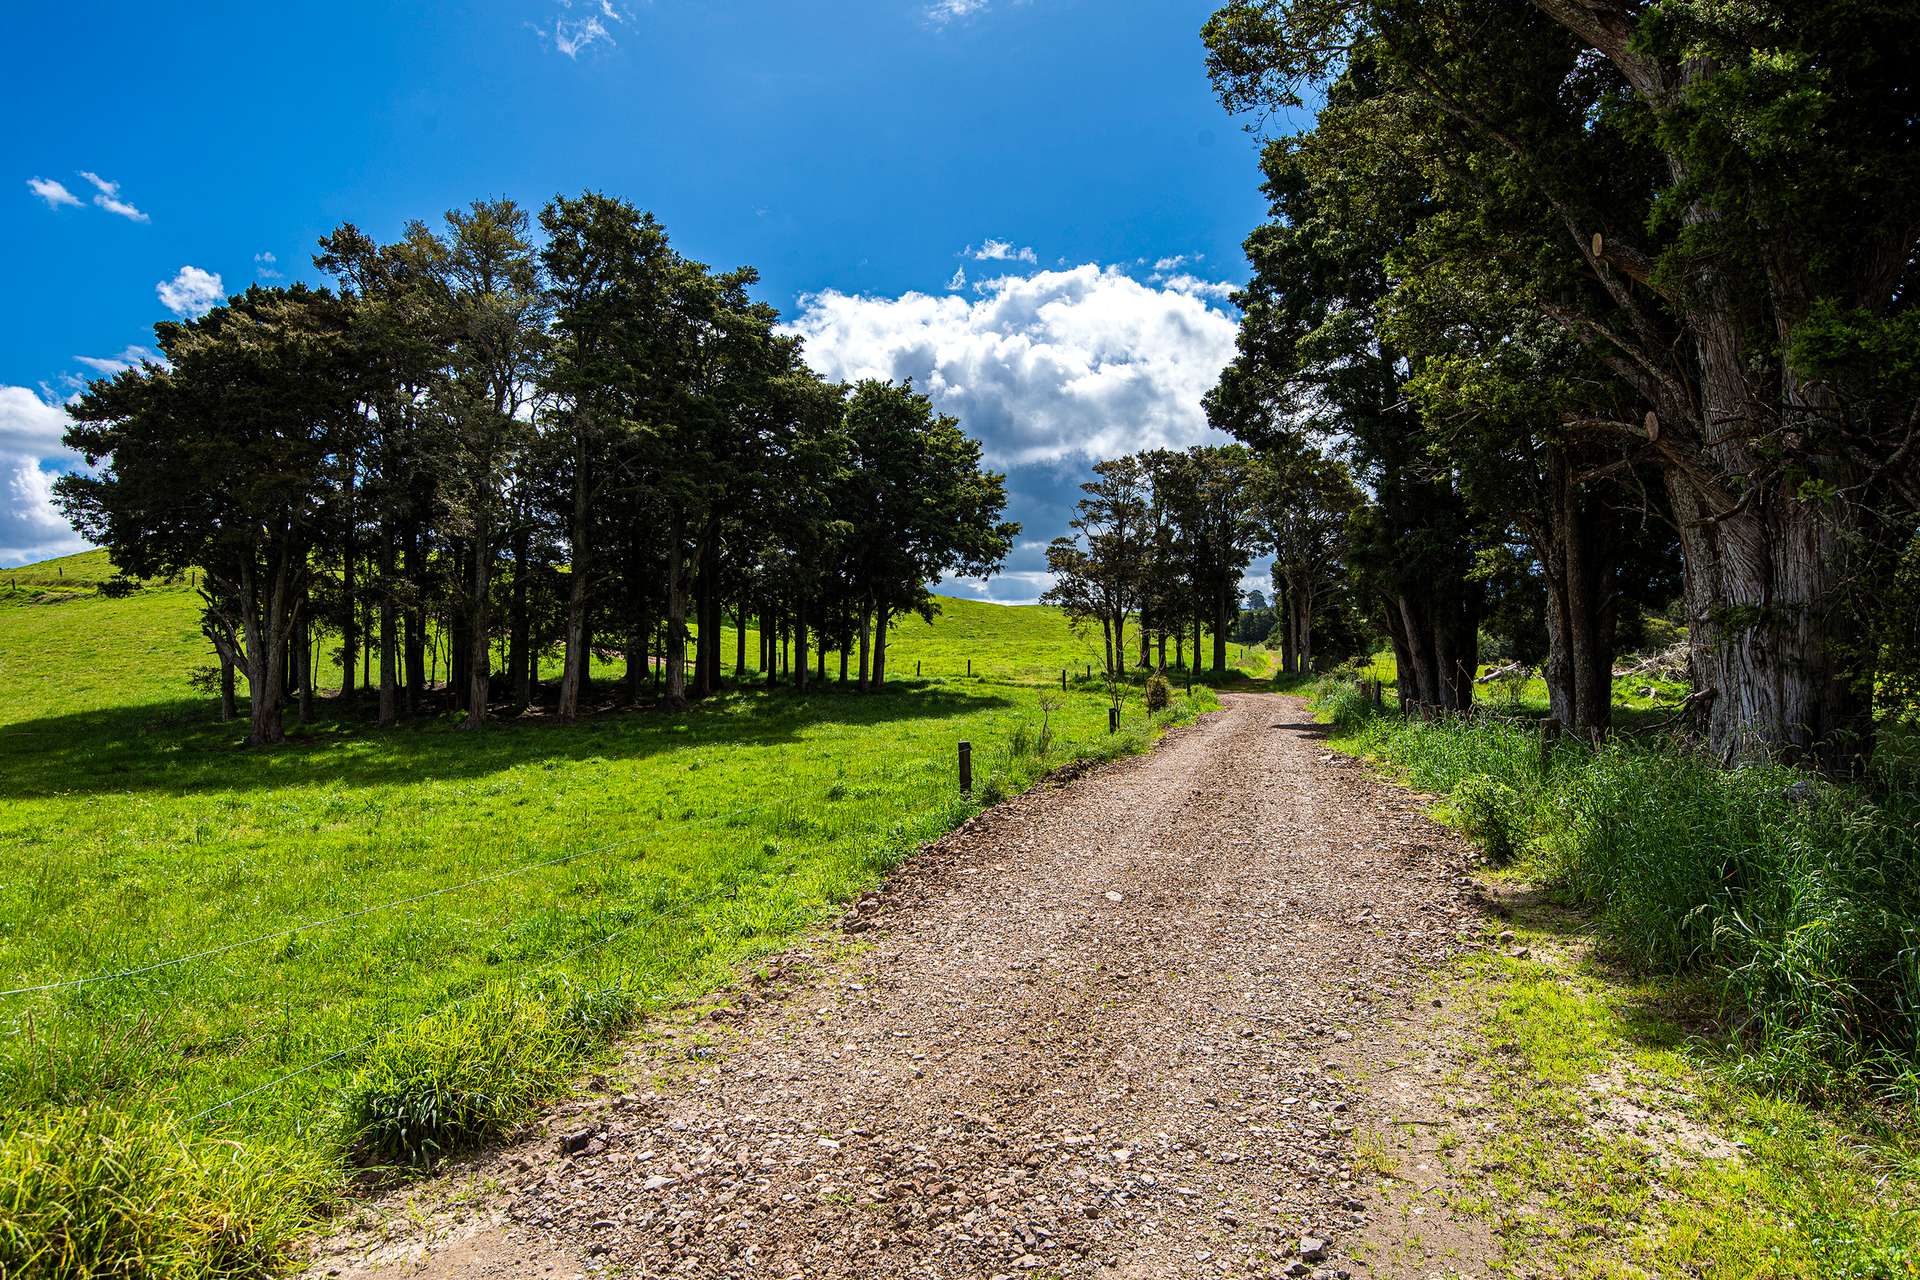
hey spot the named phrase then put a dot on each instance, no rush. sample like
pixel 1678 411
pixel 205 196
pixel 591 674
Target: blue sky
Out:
pixel 1032 206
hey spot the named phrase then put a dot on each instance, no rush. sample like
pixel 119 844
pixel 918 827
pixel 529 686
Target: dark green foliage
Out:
pixel 1489 812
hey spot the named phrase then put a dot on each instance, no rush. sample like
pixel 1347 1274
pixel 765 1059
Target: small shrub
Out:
pixel 994 790
pixel 1159 693
pixel 1489 813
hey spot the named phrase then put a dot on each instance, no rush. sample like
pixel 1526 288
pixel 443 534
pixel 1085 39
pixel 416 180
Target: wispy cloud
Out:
pixel 941 12
pixel 1001 251
pixel 192 292
pixel 129 358
pixel 54 193
pixel 579 25
pixel 959 280
pixel 108 198
pixel 1194 286
pixel 263 266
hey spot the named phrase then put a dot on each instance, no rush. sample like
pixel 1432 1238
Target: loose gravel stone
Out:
pixel 1083 1039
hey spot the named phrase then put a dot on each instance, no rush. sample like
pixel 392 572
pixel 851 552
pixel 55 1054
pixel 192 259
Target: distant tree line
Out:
pixel 1602 304
pixel 570 440
pixel 1161 541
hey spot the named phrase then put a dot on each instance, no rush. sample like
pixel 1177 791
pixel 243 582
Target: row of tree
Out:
pixel 1162 540
pixel 1601 302
pixel 543 440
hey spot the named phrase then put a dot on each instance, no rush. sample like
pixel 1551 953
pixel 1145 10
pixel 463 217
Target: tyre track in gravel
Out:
pixel 1096 1033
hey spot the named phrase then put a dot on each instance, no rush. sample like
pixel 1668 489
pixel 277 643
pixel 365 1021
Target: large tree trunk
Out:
pixel 676 654
pixel 519 624
pixel 264 625
pixel 866 633
pixel 1403 658
pixel 479 629
pixel 740 644
pixel 703 630
pixel 800 645
pixel 349 613
pixel 416 619
pixel 226 686
pixel 303 668
pixel 1765 628
pixel 1581 607
pixel 1304 594
pixel 881 618
pixel 1221 622
pixel 389 648
pixel 573 669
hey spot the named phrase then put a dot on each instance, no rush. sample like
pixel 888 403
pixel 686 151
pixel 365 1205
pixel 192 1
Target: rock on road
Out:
pixel 1094 1034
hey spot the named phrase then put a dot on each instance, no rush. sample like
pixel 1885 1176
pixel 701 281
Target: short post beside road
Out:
pixel 1063 679
pixel 966 767
pixel 1113 719
pixel 969 666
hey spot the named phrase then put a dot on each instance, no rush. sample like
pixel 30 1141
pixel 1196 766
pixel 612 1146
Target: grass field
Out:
pixel 368 910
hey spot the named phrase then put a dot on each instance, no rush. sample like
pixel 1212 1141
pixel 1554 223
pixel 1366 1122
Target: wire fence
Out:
pixel 926 771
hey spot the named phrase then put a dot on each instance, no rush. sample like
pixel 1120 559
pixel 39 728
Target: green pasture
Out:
pixel 372 901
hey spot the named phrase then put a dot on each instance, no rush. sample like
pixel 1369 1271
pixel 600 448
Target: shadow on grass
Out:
pixel 1654 1011
pixel 178 748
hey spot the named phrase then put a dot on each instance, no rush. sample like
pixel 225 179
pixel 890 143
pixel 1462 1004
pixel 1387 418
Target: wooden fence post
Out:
pixel 966 766
pixel 1113 719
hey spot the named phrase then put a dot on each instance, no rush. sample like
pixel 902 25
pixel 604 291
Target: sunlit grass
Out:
pixel 634 859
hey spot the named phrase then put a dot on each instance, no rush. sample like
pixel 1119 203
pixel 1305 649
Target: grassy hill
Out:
pixel 363 906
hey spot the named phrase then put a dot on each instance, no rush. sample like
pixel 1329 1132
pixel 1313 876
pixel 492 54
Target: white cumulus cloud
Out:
pixel 1082 363
pixel 192 292
pixel 263 266
pixel 1051 372
pixel 30 527
pixel 54 193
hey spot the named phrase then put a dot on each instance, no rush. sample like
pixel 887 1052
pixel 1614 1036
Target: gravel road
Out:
pixel 1097 1032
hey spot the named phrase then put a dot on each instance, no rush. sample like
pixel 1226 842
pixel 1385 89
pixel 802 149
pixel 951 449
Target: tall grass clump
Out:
pixel 87 1191
pixel 474 1070
pixel 1797 899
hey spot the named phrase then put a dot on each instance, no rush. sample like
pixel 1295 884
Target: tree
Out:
pixel 1729 257
pixel 1303 500
pixel 1103 572
pixel 225 459
pixel 494 311
pixel 919 506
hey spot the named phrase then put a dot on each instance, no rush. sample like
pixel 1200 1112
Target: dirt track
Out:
pixel 1095 1033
